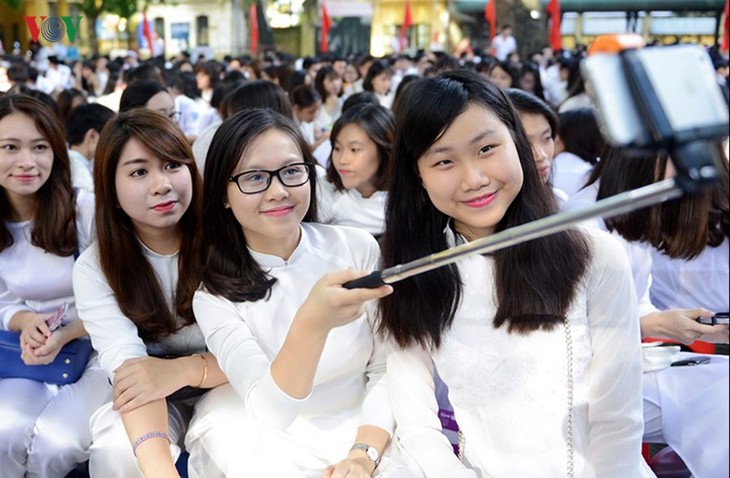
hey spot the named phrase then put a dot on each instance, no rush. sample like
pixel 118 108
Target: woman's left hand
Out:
pixel 46 353
pixel 350 468
pixel 720 334
pixel 145 379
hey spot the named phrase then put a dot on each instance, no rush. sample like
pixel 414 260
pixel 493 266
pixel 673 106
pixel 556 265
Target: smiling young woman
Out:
pixel 306 396
pixel 134 290
pixel 520 337
pixel 44 223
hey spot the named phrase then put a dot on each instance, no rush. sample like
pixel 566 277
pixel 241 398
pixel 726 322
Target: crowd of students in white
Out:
pixel 200 220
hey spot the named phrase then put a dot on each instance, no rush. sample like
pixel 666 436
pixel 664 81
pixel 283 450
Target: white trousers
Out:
pixel 44 429
pixel 687 408
pixel 224 442
pixel 111 453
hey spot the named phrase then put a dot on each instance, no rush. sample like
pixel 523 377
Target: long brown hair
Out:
pixel 54 215
pixel 681 228
pixel 129 274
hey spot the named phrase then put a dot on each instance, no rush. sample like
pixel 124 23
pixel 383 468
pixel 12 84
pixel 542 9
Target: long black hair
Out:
pixel 526 102
pixel 228 268
pixel 535 281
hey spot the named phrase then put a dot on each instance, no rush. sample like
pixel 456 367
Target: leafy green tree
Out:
pixel 125 9
pixel 92 9
pixel 14 4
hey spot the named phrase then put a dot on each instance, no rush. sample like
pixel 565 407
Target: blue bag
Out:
pixel 66 368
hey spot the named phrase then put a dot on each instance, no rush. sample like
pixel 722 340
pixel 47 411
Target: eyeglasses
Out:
pixel 259 180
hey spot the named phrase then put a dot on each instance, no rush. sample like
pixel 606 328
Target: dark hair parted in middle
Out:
pixel 378 123
pixel 228 268
pixel 327 71
pixel 54 215
pixel 377 68
pixel 535 281
pixel 129 274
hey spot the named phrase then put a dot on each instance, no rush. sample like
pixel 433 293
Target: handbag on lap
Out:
pixel 66 368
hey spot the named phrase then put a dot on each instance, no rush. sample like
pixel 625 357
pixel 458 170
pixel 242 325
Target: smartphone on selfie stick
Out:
pixel 663 98
pixel 659 98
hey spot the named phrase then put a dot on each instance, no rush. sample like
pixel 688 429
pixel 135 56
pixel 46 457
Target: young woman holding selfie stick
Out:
pixel 307 396
pixel 538 343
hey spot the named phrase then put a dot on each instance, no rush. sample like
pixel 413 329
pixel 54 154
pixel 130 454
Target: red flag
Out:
pixel 254 19
pixel 326 24
pixel 407 22
pixel 490 15
pixel 147 33
pixel 726 35
pixel 555 40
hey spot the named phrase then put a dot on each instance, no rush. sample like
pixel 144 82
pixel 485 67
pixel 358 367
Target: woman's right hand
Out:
pixel 33 329
pixel 330 305
pixel 682 325
pixel 141 380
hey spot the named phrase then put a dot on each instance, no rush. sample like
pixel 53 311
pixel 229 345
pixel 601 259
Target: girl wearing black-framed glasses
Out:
pixel 299 349
pixel 258 180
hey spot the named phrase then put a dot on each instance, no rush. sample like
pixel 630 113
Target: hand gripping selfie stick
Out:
pixel 690 149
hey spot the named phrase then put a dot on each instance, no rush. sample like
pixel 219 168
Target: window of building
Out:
pixel 159 26
pixel 201 31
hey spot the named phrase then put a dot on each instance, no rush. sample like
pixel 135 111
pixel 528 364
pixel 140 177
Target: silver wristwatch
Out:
pixel 372 453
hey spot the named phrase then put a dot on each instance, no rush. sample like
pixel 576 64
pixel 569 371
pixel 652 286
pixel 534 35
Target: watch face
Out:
pixel 372 453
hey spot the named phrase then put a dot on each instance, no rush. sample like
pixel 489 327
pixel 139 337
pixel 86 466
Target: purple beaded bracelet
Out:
pixel 146 437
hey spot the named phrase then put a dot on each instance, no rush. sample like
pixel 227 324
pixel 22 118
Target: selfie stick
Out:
pixel 609 207
pixel 694 161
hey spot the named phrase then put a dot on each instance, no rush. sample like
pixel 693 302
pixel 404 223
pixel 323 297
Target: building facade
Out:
pixel 215 28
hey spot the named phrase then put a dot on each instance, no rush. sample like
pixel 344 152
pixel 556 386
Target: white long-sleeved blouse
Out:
pixel 112 333
pixel 510 392
pixel 245 337
pixel 33 279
